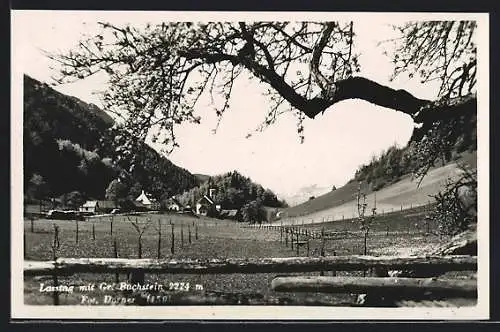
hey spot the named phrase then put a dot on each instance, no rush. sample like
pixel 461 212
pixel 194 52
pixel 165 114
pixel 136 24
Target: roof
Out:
pixel 143 198
pixel 90 204
pixel 205 197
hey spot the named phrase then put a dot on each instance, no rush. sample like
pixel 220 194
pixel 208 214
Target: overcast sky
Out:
pixel 336 143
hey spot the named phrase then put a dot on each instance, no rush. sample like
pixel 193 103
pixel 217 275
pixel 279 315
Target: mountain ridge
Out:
pixel 68 146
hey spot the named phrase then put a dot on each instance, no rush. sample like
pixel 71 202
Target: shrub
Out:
pixel 456 206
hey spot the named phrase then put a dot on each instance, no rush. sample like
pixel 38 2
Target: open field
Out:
pixel 216 239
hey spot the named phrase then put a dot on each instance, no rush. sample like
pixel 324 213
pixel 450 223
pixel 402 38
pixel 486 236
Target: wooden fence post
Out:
pixel 189 234
pixel 286 237
pixel 366 236
pixel 182 235
pixel 93 231
pixel 32 219
pixel 387 231
pixel 291 237
pixel 297 246
pixel 76 232
pixel 111 226
pixel 115 253
pixel 172 239
pixel 322 250
pixel 55 247
pixel 158 254
pixel 24 244
pixel 307 246
pixel 334 272
pixel 196 232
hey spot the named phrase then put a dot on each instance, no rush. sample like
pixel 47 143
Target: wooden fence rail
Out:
pixel 401 287
pixel 66 266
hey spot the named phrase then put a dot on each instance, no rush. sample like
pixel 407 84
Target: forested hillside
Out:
pixel 396 162
pixel 393 165
pixel 71 148
pixel 235 191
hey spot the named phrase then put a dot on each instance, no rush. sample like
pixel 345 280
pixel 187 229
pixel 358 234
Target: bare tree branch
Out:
pixel 326 87
pixel 157 75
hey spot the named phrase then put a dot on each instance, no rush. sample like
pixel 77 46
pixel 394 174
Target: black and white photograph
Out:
pixel 250 165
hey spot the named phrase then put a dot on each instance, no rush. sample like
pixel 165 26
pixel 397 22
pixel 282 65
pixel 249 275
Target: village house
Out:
pixel 96 206
pixel 146 201
pixel 205 206
pixel 88 207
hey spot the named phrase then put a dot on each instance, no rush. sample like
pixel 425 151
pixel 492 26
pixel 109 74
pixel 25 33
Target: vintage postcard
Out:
pixel 251 165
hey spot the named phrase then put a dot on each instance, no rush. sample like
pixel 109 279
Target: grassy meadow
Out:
pixel 397 233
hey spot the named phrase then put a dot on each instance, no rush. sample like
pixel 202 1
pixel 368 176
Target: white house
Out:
pixel 147 201
pixel 89 206
pixel 206 205
pixel 143 199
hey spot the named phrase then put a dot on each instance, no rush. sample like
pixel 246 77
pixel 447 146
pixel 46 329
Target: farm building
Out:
pixel 146 201
pixel 89 207
pixel 98 206
pixel 106 206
